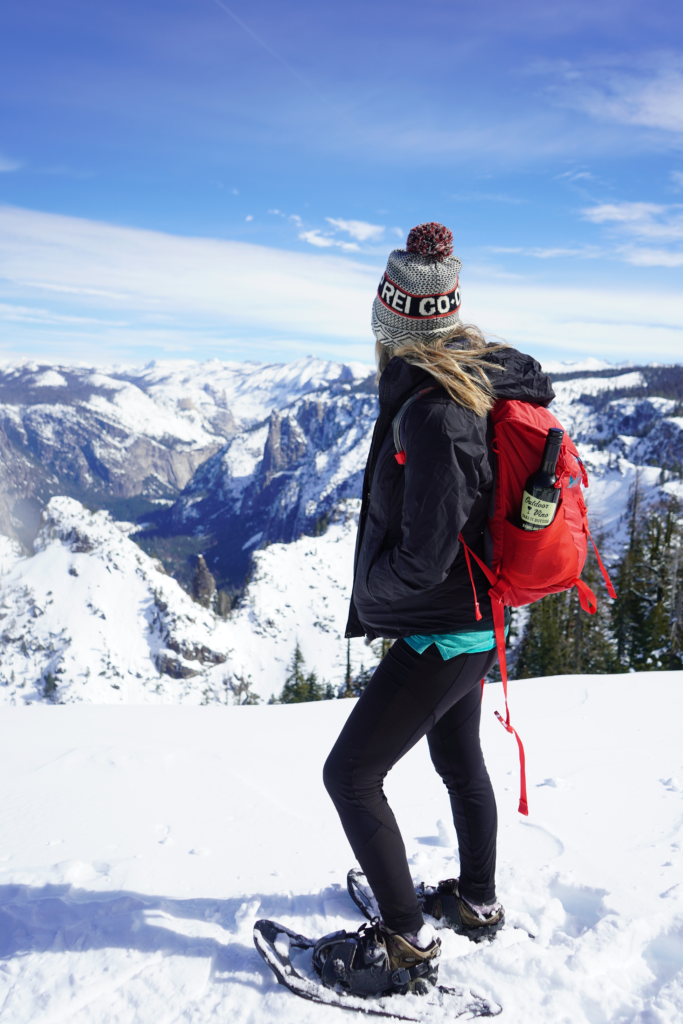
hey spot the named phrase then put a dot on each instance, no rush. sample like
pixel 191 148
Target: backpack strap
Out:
pixel 498 588
pixel 400 455
pixel 605 575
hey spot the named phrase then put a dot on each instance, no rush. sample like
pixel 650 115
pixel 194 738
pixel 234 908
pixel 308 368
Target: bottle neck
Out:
pixel 550 456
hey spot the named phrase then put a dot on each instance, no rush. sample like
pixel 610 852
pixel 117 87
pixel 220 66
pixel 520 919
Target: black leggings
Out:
pixel 409 695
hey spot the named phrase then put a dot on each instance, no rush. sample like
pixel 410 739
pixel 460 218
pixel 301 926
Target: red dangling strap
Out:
pixel 498 588
pixel 498 610
pixel 605 575
pixel 587 598
pixel 477 611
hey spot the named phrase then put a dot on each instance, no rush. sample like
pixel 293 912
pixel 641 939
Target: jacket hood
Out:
pixel 520 378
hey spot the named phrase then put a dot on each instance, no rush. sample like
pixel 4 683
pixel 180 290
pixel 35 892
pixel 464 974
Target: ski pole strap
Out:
pixel 605 575
pixel 400 455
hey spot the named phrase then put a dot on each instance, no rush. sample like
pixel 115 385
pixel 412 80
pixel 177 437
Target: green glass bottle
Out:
pixel 540 498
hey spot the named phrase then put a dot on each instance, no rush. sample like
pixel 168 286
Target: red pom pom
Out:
pixel 431 240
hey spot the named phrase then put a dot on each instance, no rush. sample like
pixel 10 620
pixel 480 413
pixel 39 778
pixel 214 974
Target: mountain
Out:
pixel 126 438
pixel 90 617
pixel 140 844
pixel 258 468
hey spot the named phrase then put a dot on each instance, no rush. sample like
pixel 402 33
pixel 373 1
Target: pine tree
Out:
pixel 299 687
pixel 647 616
pixel 346 689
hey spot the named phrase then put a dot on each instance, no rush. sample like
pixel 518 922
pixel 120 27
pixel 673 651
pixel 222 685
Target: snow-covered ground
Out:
pixel 139 844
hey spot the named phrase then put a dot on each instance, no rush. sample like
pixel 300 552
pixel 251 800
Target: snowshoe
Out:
pixel 374 961
pixel 290 957
pixel 442 902
pixel 447 905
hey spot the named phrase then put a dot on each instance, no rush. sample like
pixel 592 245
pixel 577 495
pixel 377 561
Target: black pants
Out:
pixel 409 695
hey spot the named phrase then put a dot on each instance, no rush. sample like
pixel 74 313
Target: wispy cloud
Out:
pixel 639 256
pixel 573 176
pixel 677 179
pixel 358 229
pixel 585 252
pixel 635 223
pixel 645 220
pixel 6 165
pixel 486 197
pixel 327 241
pixel 649 95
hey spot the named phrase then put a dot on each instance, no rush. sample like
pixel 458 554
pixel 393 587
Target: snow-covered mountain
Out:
pixel 91 617
pixel 106 434
pixel 138 845
pixel 258 467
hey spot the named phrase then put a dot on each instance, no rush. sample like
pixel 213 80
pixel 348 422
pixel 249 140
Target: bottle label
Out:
pixel 537 512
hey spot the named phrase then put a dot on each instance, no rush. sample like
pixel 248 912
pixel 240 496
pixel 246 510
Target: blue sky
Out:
pixel 194 178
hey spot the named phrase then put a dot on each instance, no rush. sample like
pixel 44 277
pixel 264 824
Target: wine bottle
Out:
pixel 539 501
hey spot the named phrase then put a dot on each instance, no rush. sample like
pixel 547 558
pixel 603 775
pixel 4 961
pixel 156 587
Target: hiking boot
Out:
pixel 447 905
pixel 375 961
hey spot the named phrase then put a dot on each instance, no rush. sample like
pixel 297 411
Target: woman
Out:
pixel 412 585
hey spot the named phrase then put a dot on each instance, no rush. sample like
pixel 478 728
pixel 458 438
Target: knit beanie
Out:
pixel 418 297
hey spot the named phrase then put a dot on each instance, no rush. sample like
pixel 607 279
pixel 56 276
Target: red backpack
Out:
pixel 528 565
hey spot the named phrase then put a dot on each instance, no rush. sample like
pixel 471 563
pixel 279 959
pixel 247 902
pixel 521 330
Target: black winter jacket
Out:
pixel 410 574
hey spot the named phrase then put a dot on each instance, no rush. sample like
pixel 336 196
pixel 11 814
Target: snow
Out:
pixel 102 618
pixel 139 845
pixel 591 364
pixel 299 592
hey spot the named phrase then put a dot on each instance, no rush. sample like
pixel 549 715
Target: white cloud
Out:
pixel 641 257
pixel 575 176
pixel 564 322
pixel 196 282
pixel 250 216
pixel 651 97
pixel 358 229
pixel 314 237
pixel 6 166
pixel 585 252
pixel 642 220
pixel 677 179
pixel 72 287
pixel 638 222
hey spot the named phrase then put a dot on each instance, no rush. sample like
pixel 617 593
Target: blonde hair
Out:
pixel 457 362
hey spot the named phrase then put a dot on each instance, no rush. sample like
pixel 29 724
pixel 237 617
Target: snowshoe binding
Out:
pixel 449 906
pixel 442 902
pixel 375 961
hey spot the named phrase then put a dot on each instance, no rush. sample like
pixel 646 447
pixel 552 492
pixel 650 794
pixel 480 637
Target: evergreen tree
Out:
pixel 299 687
pixel 647 616
pixel 346 689
pixel 242 693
